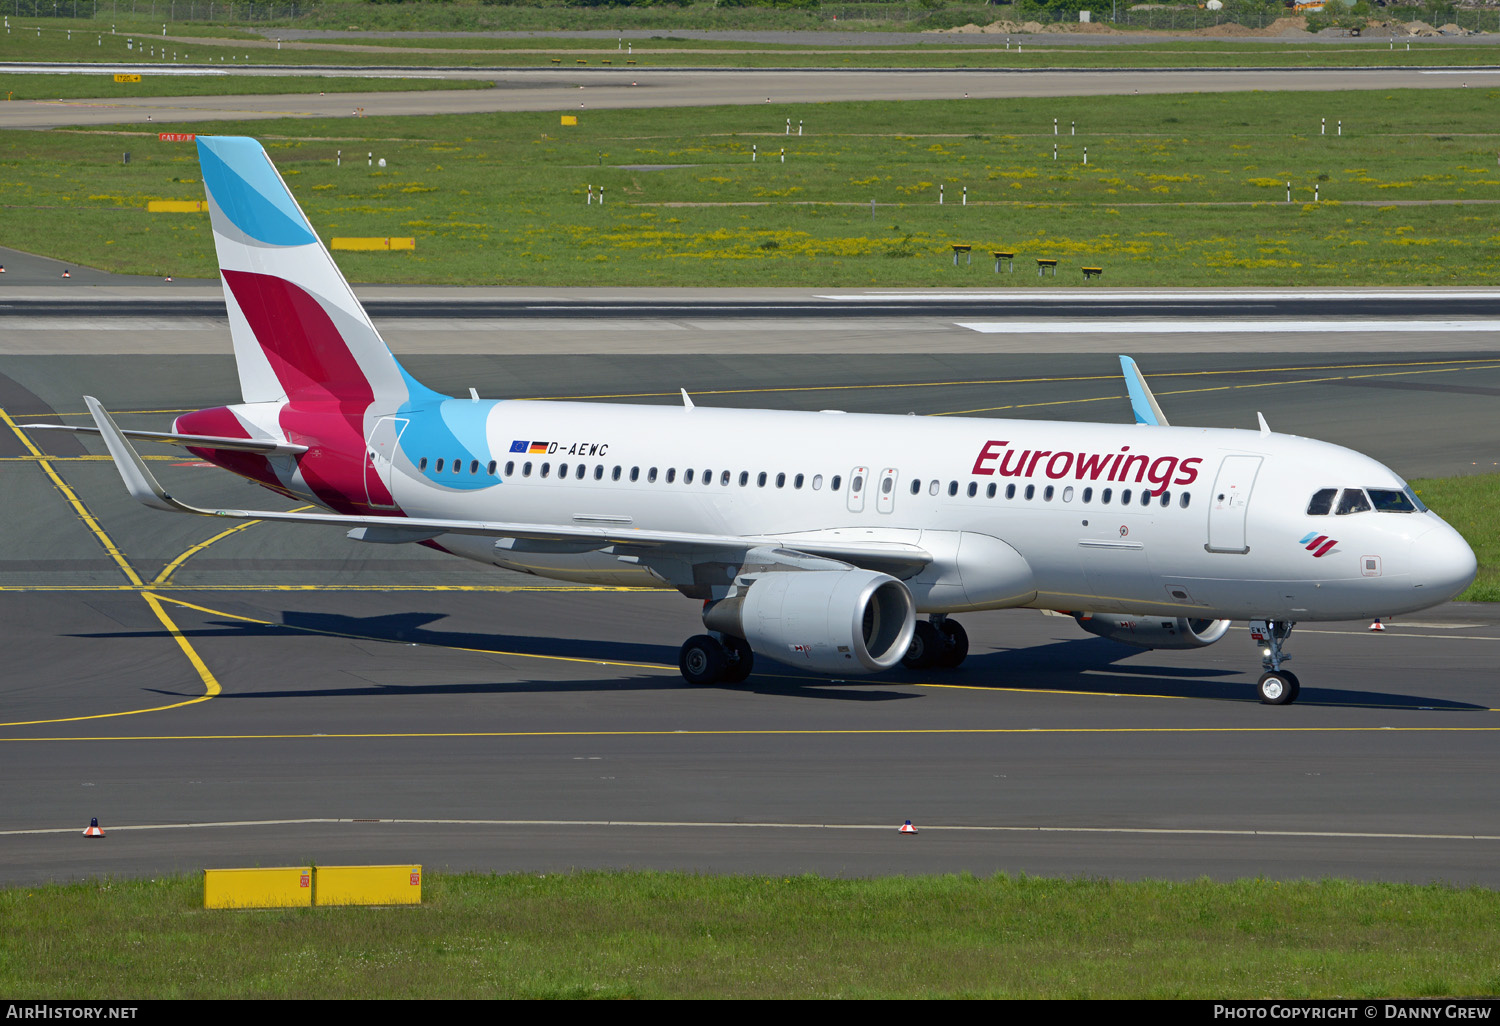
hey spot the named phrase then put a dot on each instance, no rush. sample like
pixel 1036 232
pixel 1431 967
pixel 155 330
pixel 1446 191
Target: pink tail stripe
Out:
pixel 308 355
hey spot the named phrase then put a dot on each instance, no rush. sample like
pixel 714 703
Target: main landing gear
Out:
pixel 1276 686
pixel 937 641
pixel 704 659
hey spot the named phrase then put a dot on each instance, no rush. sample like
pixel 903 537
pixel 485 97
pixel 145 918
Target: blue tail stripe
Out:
pixel 240 179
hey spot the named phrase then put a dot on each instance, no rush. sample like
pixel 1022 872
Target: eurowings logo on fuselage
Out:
pixel 1318 544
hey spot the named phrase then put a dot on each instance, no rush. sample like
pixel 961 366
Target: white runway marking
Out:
pixel 1217 327
pixel 710 825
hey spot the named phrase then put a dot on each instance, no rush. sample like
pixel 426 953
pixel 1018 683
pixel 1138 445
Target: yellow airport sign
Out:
pixel 177 206
pixel 283 887
pixel 127 78
pixel 570 119
pixel 369 885
pixel 372 245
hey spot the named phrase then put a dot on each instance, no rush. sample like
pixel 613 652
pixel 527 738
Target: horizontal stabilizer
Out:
pixel 188 441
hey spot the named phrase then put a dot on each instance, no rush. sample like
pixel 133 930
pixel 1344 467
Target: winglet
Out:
pixel 1265 428
pixel 1142 402
pixel 138 480
pixel 687 400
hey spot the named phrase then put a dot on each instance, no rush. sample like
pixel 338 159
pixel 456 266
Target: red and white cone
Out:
pixel 167 278
pixel 93 830
pixel 1377 625
pixel 67 273
pixel 907 828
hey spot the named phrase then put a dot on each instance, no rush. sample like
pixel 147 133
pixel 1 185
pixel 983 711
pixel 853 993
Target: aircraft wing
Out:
pixel 265 446
pixel 144 487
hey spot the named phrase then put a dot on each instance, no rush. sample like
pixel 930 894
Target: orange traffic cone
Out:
pixel 67 273
pixel 907 828
pixel 93 830
pixel 168 278
pixel 1377 625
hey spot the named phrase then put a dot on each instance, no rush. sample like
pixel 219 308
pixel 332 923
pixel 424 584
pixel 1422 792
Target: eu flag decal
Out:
pixel 518 446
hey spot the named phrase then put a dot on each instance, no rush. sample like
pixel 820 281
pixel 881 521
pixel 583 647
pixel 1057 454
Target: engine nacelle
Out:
pixel 831 621
pixel 1153 631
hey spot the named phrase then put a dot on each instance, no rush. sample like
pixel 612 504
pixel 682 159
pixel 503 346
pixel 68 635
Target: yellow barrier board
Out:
pixel 284 887
pixel 570 119
pixel 127 78
pixel 177 206
pixel 372 245
pixel 369 885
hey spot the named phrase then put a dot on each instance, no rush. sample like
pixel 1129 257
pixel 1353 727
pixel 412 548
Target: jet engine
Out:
pixel 831 621
pixel 1153 631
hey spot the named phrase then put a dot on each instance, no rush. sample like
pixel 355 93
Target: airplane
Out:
pixel 833 542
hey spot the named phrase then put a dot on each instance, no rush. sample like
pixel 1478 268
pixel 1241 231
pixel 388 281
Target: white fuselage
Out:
pixel 1192 522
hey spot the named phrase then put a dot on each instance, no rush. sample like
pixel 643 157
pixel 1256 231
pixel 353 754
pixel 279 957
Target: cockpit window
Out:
pixel 1388 500
pixel 1353 501
pixel 1412 495
pixel 1322 502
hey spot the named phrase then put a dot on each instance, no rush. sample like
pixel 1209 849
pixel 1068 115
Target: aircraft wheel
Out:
pixel 1279 687
pixel 741 660
pixel 955 644
pixel 702 660
pixel 926 647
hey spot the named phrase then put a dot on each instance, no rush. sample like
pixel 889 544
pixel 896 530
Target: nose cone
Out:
pixel 1442 564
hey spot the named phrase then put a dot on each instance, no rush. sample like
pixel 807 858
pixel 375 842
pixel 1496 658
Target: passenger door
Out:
pixel 380 455
pixel 1229 503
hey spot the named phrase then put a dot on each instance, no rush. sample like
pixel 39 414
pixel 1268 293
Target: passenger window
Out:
pixel 708 477
pixel 973 489
pixel 422 464
pixel 614 475
pixel 458 465
pixel 834 484
pixel 1088 495
pixel 1125 497
pixel 510 467
pixel 916 486
pixel 1068 494
pixel 1145 496
pixel 989 493
pixel 817 481
pixel 635 473
pixel 473 466
pixel 562 470
pixel 581 469
pixel 886 486
pixel 525 468
pixel 797 481
pixel 1104 496
pixel 546 469
pixel 687 476
pixel 1030 491
pixel 932 489
pixel 744 478
pixel 781 482
pixel 724 479
pixel 858 485
pixel 492 468
pixel 1184 499
pixel 599 472
pixel 671 474
pixel 760 479
pixel 651 476
pixel 1388 500
pixel 1352 501
pixel 1166 499
pixel 1047 493
pixel 439 466
pixel 1321 503
pixel 952 487
pixel 1010 491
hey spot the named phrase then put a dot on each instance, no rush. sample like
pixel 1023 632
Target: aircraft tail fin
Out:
pixel 298 330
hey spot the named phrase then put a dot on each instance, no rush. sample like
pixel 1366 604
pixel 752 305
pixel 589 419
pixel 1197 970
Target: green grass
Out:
pixel 1179 191
pixel 72 87
pixel 1472 505
pixel 97 44
pixel 647 935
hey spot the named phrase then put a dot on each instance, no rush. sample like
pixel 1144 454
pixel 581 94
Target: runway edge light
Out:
pixel 907 828
pixel 93 829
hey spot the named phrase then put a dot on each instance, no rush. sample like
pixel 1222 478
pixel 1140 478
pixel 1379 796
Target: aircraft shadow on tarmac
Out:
pixel 1083 665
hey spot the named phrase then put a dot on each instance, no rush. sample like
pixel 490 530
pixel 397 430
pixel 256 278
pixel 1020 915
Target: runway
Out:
pixel 265 695
pixel 600 89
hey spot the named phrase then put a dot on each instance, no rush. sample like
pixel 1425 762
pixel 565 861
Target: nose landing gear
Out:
pixel 1276 686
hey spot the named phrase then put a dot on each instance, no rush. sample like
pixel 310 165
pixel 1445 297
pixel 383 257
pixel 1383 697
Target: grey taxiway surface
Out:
pixel 279 695
pixel 569 89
